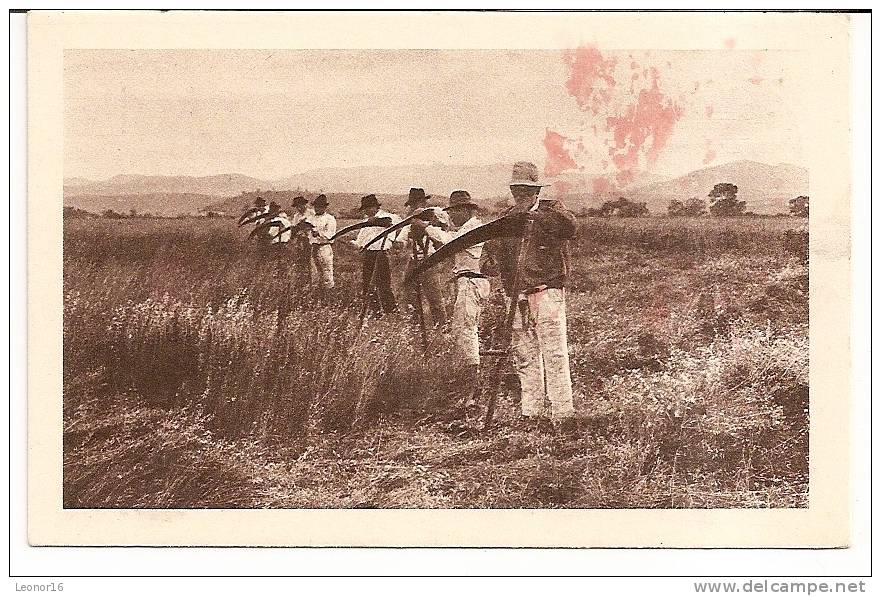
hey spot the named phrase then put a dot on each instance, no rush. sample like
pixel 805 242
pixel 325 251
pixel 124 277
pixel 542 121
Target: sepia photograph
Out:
pixel 572 276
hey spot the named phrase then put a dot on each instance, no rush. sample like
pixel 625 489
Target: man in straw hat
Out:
pixel 323 228
pixel 472 286
pixel 419 247
pixel 540 347
pixel 375 273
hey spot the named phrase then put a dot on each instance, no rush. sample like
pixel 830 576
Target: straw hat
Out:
pixel 525 174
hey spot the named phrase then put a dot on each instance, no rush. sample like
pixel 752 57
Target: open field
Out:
pixel 196 375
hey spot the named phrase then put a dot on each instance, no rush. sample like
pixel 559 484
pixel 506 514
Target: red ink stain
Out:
pixel 624 177
pixel 601 185
pixel 755 80
pixel 709 111
pixel 652 118
pixel 709 156
pixel 558 158
pixel 730 43
pixel 590 77
pixel 634 66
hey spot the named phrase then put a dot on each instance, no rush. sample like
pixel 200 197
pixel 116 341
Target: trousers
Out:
pixel 471 294
pixel 541 353
pixel 322 257
pixel 375 269
pixel 432 289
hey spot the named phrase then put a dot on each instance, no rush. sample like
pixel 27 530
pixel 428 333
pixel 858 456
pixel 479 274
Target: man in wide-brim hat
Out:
pixel 323 228
pixel 540 346
pixel 472 286
pixel 376 277
pixel 419 246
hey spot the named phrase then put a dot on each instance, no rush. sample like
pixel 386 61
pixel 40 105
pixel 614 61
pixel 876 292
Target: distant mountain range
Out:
pixel 765 188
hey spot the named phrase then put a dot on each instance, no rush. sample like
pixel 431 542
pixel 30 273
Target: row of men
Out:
pixel 539 340
pixel 309 227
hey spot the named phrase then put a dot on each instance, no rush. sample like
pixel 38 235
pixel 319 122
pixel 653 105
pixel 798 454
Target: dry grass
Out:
pixel 198 375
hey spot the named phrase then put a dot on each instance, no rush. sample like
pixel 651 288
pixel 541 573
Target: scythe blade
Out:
pixel 509 226
pixel 398 226
pixel 383 221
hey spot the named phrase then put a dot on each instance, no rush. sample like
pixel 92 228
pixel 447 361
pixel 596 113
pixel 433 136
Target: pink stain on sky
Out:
pixel 643 129
pixel 558 158
pixel 709 156
pixel 755 80
pixel 590 77
pixel 730 43
pixel 631 124
pixel 709 111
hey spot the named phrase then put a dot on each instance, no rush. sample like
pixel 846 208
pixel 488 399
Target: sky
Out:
pixel 274 113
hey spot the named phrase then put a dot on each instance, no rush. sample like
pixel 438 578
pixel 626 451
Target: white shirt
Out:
pixel 365 235
pixel 465 260
pixel 323 227
pixel 261 211
pixel 275 233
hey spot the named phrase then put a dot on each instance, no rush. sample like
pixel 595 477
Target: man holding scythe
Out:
pixel 472 286
pixel 421 246
pixel 375 272
pixel 539 342
pixel 528 243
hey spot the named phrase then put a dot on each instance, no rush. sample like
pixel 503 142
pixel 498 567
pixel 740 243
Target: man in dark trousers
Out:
pixel 375 273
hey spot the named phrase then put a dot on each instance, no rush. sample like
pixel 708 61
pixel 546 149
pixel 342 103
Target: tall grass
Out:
pixel 689 352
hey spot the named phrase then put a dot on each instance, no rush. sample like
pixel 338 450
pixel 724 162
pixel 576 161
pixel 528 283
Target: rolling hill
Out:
pixel 765 188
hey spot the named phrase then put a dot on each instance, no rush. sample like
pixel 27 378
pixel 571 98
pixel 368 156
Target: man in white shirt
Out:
pixel 323 228
pixel 376 277
pixel 420 246
pixel 274 235
pixel 472 287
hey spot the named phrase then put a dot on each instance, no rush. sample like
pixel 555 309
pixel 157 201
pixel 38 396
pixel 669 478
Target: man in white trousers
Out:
pixel 540 347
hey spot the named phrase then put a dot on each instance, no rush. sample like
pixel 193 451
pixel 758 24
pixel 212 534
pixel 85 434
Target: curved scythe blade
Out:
pixel 265 226
pixel 398 226
pixel 509 226
pixel 253 218
pixel 383 221
pixel 249 213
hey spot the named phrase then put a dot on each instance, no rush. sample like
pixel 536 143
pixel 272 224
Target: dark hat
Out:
pixel 369 201
pixel 260 201
pixel 417 195
pixel 461 198
pixel 274 207
pixel 320 201
pixel 297 201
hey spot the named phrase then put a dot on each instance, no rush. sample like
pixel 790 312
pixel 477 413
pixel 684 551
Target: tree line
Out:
pixel 723 202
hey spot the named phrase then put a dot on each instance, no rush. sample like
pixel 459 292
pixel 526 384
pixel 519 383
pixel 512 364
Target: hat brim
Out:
pixel 528 183
pixel 365 207
pixel 409 201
